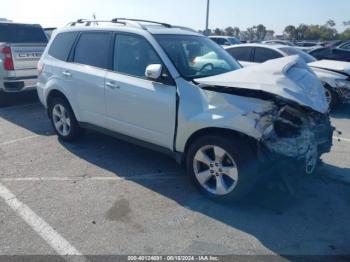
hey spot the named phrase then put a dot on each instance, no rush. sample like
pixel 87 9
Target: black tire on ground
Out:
pixel 334 103
pixel 242 154
pixel 75 130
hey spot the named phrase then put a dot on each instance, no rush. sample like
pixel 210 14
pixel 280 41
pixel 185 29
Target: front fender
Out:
pixel 200 109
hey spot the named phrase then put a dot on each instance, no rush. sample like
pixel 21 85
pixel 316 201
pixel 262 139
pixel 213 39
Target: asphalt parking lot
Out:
pixel 102 196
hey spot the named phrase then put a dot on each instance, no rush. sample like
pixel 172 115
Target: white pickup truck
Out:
pixel 21 46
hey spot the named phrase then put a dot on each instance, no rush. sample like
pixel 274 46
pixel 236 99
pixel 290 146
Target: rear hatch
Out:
pixel 27 43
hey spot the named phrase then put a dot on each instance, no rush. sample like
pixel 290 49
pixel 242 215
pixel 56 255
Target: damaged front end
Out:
pixel 343 90
pixel 300 134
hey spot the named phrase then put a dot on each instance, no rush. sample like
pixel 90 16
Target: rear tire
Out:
pixel 223 168
pixel 63 120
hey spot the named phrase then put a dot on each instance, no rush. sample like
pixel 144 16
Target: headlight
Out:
pixel 342 83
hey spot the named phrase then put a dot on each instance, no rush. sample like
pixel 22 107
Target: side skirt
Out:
pixel 177 156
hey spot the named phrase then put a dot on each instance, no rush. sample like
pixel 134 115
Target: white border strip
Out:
pixel 18 140
pixel 54 239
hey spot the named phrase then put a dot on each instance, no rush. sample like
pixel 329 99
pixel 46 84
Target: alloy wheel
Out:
pixel 215 170
pixel 61 120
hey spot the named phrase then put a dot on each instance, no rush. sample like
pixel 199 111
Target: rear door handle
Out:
pixel 112 85
pixel 66 73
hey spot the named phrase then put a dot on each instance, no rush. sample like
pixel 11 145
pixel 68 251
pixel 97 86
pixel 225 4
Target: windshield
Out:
pixel 21 33
pixel 197 56
pixel 292 51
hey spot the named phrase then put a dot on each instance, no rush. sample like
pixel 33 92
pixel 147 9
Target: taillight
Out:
pixel 8 62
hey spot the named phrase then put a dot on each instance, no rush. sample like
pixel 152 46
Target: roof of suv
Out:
pixel 130 26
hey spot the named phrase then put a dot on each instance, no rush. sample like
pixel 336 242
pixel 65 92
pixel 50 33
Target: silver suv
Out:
pixel 178 92
pixel 21 46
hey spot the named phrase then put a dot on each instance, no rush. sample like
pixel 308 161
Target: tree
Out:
pixel 330 23
pixel 290 31
pixel 251 33
pixel 301 31
pixel 269 35
pixel 236 31
pixel 229 31
pixel 218 31
pixel 346 23
pixel 345 35
pixel 261 32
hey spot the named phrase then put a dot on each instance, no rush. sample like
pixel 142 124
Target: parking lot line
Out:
pixel 18 140
pixel 53 238
pixel 171 175
pixel 342 139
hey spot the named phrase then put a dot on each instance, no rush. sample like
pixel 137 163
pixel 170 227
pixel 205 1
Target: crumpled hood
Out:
pixel 287 77
pixel 338 66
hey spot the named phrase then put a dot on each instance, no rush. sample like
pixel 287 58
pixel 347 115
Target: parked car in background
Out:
pixel 49 31
pixel 307 46
pixel 339 53
pixel 21 46
pixel 278 42
pixel 333 43
pixel 336 83
pixel 225 40
pixel 141 81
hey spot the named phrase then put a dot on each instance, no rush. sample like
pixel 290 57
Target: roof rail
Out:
pixel 88 22
pixel 116 20
pixel 126 22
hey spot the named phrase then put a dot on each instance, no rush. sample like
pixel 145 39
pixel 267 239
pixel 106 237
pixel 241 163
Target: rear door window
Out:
pixel 62 45
pixel 22 33
pixel 93 49
pixel 241 53
pixel 264 54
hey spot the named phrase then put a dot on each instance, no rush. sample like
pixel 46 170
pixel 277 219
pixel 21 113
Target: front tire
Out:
pixel 223 168
pixel 63 120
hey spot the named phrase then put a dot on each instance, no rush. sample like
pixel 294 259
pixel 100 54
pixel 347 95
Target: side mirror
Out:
pixel 154 71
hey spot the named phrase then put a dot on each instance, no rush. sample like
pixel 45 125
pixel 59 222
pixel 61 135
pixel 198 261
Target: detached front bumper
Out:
pixel 18 84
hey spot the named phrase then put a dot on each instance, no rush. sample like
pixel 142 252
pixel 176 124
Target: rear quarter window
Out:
pixel 62 45
pixel 264 54
pixel 241 53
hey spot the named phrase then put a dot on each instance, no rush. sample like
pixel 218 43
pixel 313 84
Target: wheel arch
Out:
pixel 252 142
pixel 54 93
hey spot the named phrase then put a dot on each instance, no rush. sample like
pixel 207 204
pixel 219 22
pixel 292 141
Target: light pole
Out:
pixel 207 20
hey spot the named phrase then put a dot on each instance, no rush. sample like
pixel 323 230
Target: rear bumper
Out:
pixel 18 84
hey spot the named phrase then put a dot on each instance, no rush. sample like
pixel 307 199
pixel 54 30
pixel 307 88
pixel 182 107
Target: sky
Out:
pixel 274 14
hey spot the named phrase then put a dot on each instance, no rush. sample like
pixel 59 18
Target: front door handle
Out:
pixel 112 85
pixel 66 73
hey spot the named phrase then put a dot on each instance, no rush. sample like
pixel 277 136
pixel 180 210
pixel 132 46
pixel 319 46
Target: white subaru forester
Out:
pixel 178 92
